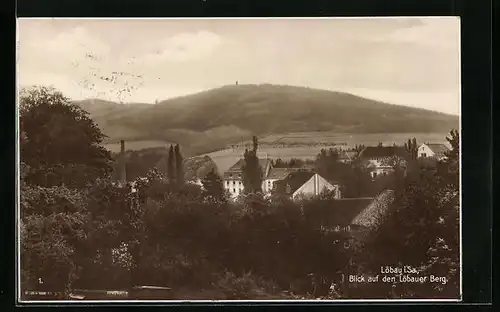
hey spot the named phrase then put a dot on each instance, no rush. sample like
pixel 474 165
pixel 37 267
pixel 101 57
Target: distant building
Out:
pixel 305 183
pixel 233 178
pixel 347 156
pixel 276 174
pixel 433 150
pixel 378 158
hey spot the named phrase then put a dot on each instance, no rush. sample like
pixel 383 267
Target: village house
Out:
pixel 305 184
pixel 297 180
pixel 433 150
pixel 379 159
pixel 276 174
pixel 233 178
pixel 346 156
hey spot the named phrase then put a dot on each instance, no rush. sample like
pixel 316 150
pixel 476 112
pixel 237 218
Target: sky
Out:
pixel 406 61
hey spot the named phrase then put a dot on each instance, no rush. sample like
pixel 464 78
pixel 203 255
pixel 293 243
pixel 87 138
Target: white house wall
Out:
pixel 235 187
pixel 425 150
pixel 268 185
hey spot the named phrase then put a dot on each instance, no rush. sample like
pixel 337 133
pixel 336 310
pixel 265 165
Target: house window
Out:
pixel 234 190
pixel 239 183
pixel 424 155
pixel 374 174
pixel 234 182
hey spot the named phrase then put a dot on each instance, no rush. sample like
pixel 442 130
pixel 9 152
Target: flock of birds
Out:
pixel 105 83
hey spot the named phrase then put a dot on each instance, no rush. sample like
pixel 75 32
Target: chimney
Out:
pixel 123 172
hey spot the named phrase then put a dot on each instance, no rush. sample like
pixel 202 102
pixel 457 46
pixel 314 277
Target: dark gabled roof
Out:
pixel 382 151
pixel 373 215
pixel 238 166
pixel 235 170
pixel 280 173
pixel 347 155
pixel 438 149
pixel 293 182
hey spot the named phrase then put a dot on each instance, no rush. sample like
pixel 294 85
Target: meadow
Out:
pixel 350 139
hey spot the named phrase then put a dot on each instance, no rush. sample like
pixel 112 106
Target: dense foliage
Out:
pixel 354 177
pixel 422 231
pixel 86 231
pixel 59 141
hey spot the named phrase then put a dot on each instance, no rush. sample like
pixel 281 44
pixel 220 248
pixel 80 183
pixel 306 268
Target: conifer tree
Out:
pixel 412 148
pixel 179 165
pixel 252 172
pixel 171 164
pixel 213 186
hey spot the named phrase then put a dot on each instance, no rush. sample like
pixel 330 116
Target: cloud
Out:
pixel 185 47
pixel 75 61
pixel 444 101
pixel 74 44
pixel 436 33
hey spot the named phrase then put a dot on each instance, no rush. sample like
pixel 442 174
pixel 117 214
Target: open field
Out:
pixel 136 145
pixel 228 157
pixel 349 139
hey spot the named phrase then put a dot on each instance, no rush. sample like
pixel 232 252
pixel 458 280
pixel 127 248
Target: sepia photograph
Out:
pixel 238 159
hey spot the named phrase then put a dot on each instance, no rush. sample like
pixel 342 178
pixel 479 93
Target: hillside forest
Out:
pixel 210 120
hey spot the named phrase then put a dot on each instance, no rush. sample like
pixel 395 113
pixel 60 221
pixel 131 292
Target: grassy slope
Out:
pixel 208 121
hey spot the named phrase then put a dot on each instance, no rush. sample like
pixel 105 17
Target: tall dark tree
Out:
pixel 454 141
pixel 411 148
pixel 252 172
pixel 449 169
pixel 213 186
pixel 60 142
pixel 179 165
pixel 171 165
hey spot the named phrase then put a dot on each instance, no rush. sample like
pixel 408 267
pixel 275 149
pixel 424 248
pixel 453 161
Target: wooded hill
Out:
pixel 210 120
